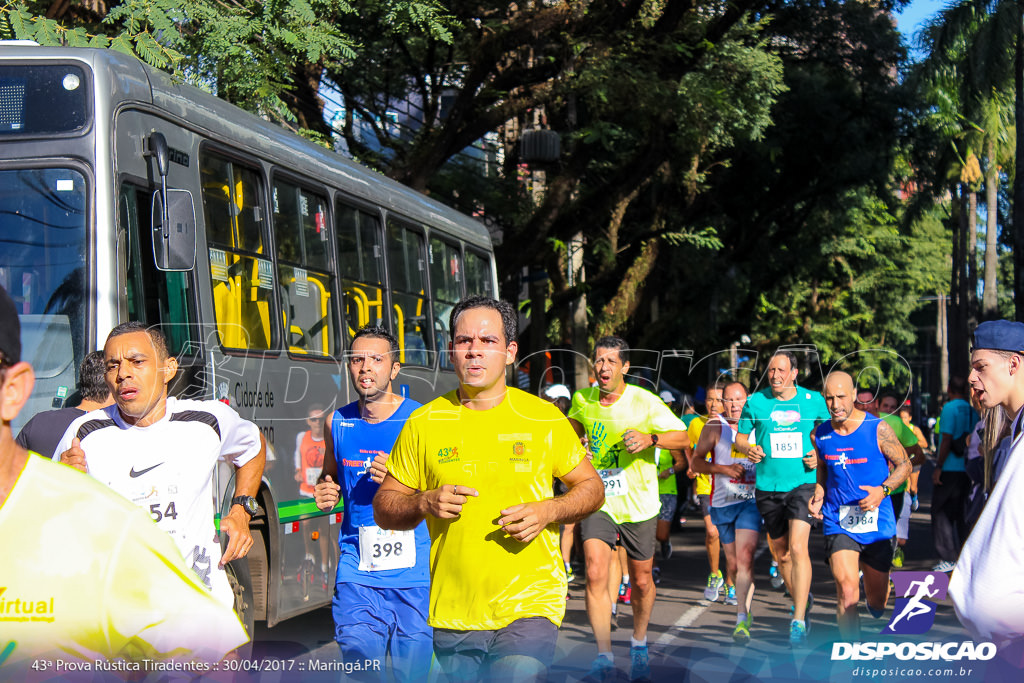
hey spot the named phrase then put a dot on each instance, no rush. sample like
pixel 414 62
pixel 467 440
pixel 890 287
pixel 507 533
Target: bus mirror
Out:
pixel 174 230
pixel 158 148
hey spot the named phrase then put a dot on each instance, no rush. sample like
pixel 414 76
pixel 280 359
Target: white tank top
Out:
pixel 724 489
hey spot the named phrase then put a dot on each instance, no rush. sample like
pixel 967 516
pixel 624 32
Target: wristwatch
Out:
pixel 248 504
pixel 886 490
pixel 654 439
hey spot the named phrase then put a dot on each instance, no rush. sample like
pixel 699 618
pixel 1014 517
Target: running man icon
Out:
pixel 914 613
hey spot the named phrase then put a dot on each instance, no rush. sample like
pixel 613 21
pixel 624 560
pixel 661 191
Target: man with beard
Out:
pixel 382 587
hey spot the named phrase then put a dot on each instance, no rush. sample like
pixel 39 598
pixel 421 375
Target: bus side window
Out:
pixel 410 315
pixel 154 296
pixel 305 285
pixel 446 290
pixel 478 274
pixel 360 267
pixel 241 270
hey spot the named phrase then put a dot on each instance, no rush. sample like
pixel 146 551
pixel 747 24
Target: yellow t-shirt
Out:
pixel 87 575
pixel 702 482
pixel 636 409
pixel 481 578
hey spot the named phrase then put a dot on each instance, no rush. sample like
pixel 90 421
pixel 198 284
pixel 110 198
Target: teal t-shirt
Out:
pixel 783 429
pixel 957 418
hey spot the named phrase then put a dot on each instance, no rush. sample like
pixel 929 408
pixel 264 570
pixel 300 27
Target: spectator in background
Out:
pixel 951 481
pixel 42 433
pixel 560 396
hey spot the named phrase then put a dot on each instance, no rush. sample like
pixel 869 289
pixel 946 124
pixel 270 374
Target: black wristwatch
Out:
pixel 654 439
pixel 248 504
pixel 886 490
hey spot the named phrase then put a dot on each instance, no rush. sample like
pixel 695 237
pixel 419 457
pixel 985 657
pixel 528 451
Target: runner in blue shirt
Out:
pixel 382 589
pixel 855 450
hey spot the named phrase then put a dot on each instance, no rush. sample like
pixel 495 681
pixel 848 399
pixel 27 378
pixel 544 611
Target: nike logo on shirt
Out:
pixel 133 474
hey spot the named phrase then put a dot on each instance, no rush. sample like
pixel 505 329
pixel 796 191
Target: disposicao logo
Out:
pixel 914 612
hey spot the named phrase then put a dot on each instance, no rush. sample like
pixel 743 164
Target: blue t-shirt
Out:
pixel 957 419
pixel 356 443
pixel 783 429
pixel 853 461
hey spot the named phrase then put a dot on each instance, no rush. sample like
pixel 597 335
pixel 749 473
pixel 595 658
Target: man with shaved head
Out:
pixel 733 508
pixel 855 450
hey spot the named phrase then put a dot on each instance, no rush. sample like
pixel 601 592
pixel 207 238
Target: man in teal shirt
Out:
pixel 782 417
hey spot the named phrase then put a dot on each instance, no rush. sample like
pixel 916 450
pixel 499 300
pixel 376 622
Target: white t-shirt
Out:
pixel 167 469
pixel 726 490
pixel 987 588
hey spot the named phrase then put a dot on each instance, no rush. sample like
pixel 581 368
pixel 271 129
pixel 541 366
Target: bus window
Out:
pixel 361 267
pixel 305 285
pixel 43 218
pixel 478 274
pixel 153 296
pixel 409 314
pixel 241 271
pixel 446 290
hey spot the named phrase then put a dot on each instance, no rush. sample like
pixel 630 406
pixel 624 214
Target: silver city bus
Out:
pixel 125 195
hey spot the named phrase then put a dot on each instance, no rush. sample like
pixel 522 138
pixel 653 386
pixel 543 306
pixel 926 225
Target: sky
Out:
pixel 915 14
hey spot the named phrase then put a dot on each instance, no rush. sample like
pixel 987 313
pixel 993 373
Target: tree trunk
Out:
pixel 990 298
pixel 578 310
pixel 942 341
pixel 623 305
pixel 1018 176
pixel 971 289
pixel 957 331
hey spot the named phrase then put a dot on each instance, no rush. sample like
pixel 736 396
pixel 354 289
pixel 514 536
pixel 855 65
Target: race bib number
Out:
pixel 787 445
pixel 380 549
pixel 614 482
pixel 312 473
pixel 857 521
pixel 737 491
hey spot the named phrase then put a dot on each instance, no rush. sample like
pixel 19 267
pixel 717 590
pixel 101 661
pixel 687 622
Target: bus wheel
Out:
pixel 245 607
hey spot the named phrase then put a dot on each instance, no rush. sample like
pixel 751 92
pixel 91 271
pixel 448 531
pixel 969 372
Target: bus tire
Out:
pixel 245 607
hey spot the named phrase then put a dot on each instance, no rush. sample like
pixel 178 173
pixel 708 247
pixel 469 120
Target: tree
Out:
pixel 977 46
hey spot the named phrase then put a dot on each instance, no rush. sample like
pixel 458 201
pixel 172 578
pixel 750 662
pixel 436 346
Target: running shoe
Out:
pixel 656 575
pixel 810 603
pixel 730 595
pixel 797 634
pixel 741 634
pixel 875 613
pixel 625 592
pixel 897 557
pixel 666 550
pixel 569 575
pixel 945 566
pixel 715 583
pixel 914 502
pixel 639 666
pixel 776 576
pixel 602 669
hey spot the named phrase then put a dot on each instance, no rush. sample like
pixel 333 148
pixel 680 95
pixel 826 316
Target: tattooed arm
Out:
pixel 899 464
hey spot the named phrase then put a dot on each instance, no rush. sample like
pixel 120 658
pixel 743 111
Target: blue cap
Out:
pixel 1000 335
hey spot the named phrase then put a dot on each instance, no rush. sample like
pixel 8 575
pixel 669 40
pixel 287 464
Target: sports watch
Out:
pixel 654 439
pixel 886 490
pixel 248 504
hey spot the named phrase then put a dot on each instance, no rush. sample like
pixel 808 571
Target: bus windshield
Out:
pixel 42 267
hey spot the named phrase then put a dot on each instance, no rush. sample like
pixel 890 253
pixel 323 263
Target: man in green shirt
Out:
pixel 782 417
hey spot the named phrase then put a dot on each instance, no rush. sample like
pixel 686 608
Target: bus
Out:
pixel 127 195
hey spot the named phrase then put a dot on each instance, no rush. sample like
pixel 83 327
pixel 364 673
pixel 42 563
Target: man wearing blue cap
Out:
pixel 987 587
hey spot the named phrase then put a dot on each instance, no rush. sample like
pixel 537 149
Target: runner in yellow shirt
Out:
pixel 622 424
pixel 477 464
